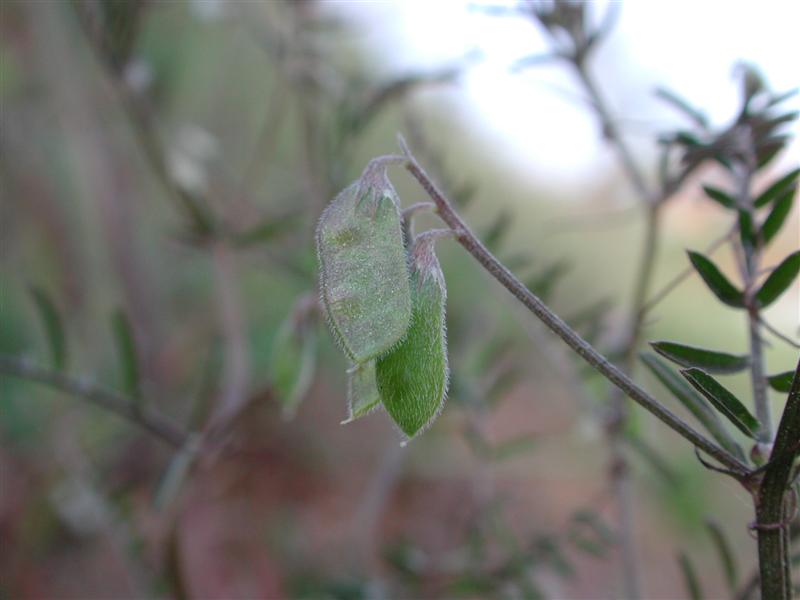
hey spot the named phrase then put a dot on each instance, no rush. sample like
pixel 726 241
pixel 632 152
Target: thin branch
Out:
pixel 472 245
pixel 777 333
pixel 108 399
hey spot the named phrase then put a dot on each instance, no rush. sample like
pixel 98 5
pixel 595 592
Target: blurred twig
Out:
pixel 145 417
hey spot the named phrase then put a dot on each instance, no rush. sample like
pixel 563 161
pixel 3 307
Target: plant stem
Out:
pixel 772 518
pixel 585 350
pixel 112 401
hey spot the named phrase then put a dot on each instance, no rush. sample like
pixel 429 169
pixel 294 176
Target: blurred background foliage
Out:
pixel 163 167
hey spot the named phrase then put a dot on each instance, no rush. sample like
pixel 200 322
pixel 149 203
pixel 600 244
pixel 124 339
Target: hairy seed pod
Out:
pixel 412 378
pixel 363 273
pixel 362 391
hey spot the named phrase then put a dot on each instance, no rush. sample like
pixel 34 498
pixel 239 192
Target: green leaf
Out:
pixel 690 580
pixel 747 232
pixel 776 189
pixel 363 272
pixel 693 402
pixel 779 280
pixel 268 229
pixel 293 362
pixel 711 361
pixel 126 353
pixel 53 328
pixel 726 555
pixel 724 401
pixel 362 391
pixel 716 281
pixel 719 196
pixel 777 216
pixel 412 378
pixel 781 382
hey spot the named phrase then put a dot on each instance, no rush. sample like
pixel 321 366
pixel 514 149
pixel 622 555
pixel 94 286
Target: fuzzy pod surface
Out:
pixel 412 378
pixel 364 281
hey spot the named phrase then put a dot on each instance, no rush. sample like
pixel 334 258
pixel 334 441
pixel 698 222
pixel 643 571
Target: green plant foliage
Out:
pixel 777 216
pixel 716 194
pixel 126 352
pixel 781 382
pixel 779 280
pixel 293 362
pixel 362 391
pixel 690 579
pixel 363 274
pixel 693 402
pixel 716 281
pixel 711 361
pixel 784 184
pixel 53 327
pixel 412 378
pixel 723 400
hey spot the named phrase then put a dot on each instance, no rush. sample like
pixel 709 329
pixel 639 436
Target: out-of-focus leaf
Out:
pixel 515 446
pixel 363 272
pixel 711 361
pixel 724 401
pixel 692 401
pixel 543 283
pixel 589 533
pixel 294 357
pixel 719 196
pixel 362 391
pixel 269 229
pixel 653 458
pixel 53 327
pixel 781 382
pixel 726 555
pixel 126 353
pixel 716 281
pixel 412 377
pixel 682 105
pixel 497 231
pixel 690 580
pixel 176 472
pixel 777 216
pixel 779 280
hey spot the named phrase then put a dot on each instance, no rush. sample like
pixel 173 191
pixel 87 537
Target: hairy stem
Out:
pixel 772 518
pixel 110 400
pixel 613 374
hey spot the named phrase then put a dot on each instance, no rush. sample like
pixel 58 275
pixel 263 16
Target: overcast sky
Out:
pixel 689 46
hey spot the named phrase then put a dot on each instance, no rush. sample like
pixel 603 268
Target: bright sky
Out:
pixel 538 116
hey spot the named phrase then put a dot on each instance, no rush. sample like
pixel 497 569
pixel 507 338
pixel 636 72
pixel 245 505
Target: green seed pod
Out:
pixel 412 378
pixel 363 273
pixel 362 391
pixel 293 360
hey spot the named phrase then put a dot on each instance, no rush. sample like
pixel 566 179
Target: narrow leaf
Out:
pixel 53 328
pixel 293 362
pixel 363 273
pixel 726 555
pixel 779 280
pixel 747 232
pixel 126 353
pixel 690 579
pixel 724 401
pixel 716 281
pixel 412 378
pixel 362 391
pixel 781 382
pixel 693 402
pixel 711 361
pixel 719 196
pixel 773 191
pixel 777 216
